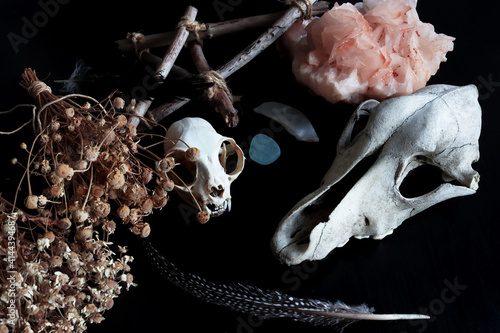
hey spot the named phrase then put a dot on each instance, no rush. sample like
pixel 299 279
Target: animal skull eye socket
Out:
pixel 185 170
pixel 423 179
pixel 230 157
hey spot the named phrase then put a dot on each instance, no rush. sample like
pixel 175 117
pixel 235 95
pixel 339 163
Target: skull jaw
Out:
pixel 309 232
pixel 215 206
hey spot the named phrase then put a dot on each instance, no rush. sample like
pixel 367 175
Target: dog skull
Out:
pixel 209 177
pixel 437 125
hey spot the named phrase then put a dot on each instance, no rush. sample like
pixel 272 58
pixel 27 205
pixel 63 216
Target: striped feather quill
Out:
pixel 267 304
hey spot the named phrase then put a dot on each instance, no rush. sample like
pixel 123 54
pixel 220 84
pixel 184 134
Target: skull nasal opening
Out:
pixel 217 191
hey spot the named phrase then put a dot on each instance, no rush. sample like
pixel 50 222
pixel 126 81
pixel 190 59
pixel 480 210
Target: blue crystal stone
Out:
pixel 264 150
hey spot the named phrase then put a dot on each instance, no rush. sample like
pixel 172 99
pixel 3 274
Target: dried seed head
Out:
pixel 147 206
pixel 192 154
pixel 55 125
pixel 50 236
pixel 123 211
pixel 108 137
pixel 146 230
pixel 54 179
pixel 166 164
pixel 203 217
pixel 55 191
pixel 91 153
pixel 108 303
pixel 124 167
pixel 80 165
pixel 83 234
pixel 101 209
pixel 116 179
pixel 118 103
pixel 131 131
pixel 61 248
pixel 159 202
pixel 64 171
pixel 160 192
pixel 42 201
pixel 97 191
pixel 89 309
pixel 80 215
pixel 96 318
pixel 31 202
pixel 134 192
pixel 45 167
pixel 64 223
pixel 23 146
pixel 44 138
pixel 121 121
pixel 81 191
pixel 57 137
pixel 168 185
pixel 55 261
pixel 70 113
pixel 109 227
pixel 128 278
pixel 146 175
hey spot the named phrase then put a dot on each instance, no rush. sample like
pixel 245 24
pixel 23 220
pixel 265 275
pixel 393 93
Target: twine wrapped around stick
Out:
pixel 219 83
pixel 193 26
pixel 36 88
pixel 307 11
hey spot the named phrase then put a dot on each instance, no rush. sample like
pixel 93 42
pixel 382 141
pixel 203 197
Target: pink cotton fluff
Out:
pixel 374 49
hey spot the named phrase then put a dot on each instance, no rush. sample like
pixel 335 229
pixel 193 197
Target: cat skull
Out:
pixel 208 179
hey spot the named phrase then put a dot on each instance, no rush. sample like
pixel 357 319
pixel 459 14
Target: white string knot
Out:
pixel 305 7
pixel 219 84
pixel 193 26
pixel 36 88
pixel 136 38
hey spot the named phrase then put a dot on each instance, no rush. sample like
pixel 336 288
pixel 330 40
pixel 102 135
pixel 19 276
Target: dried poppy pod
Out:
pixel 31 202
pixel 83 234
pixel 64 223
pixel 192 154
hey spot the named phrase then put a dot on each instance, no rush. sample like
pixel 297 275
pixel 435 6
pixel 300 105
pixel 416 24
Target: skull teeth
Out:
pixel 216 210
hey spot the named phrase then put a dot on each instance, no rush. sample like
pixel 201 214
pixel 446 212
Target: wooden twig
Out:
pixel 167 62
pixel 154 60
pixel 218 96
pixel 176 46
pixel 213 30
pixel 260 44
pixel 270 36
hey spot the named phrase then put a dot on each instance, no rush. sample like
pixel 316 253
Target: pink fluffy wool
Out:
pixel 374 49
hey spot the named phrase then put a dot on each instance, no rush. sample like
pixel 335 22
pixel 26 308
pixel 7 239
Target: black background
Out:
pixel 408 272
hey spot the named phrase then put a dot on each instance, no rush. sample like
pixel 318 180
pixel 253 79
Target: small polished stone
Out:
pixel 264 150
